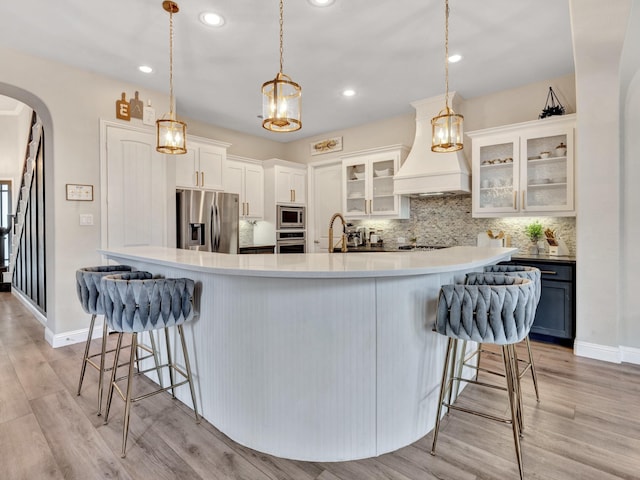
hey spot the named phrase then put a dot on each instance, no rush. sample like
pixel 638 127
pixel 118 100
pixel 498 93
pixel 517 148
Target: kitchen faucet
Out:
pixel 344 237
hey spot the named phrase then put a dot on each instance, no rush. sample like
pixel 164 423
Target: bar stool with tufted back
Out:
pixel 532 274
pixel 499 310
pixel 134 305
pixel 89 294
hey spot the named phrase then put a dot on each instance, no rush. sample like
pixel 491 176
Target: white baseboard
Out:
pixel 630 355
pixel 607 353
pixel 61 339
pixel 74 336
pixel 597 352
pixel 26 301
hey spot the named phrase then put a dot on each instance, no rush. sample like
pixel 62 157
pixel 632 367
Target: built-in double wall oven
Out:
pixel 290 232
pixel 290 241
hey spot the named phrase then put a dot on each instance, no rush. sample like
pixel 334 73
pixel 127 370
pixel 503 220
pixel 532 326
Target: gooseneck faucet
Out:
pixel 344 236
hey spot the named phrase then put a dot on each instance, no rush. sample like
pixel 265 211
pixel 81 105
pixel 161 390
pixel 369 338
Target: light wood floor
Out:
pixel 587 426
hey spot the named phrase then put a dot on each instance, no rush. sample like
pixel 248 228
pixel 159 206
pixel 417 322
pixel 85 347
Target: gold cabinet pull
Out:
pixel 202 179
pixel 515 199
pixel 524 196
pixel 247 204
pixel 549 272
pixel 197 177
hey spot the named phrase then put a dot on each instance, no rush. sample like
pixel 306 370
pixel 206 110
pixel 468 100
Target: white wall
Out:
pixel 630 98
pixel 597 48
pixel 71 102
pixel 14 133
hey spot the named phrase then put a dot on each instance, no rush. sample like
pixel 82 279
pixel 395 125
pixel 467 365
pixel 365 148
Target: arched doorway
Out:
pixel 32 244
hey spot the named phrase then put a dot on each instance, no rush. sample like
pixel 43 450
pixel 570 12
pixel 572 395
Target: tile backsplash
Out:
pixel 447 221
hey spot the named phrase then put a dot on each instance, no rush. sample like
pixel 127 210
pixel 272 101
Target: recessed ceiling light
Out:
pixel 212 19
pixel 321 3
pixel 348 92
pixel 145 69
pixel 455 58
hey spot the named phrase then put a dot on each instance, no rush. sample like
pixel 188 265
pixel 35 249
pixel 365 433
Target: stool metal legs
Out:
pixel 127 394
pixel 512 388
pixel 87 359
pixel 529 364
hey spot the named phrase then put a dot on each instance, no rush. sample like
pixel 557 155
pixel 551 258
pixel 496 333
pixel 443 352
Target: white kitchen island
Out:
pixel 317 357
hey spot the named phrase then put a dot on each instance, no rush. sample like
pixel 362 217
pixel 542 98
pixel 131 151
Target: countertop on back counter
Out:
pixel 363 248
pixel 543 258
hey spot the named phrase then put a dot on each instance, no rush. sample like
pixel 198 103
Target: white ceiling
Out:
pixel 390 52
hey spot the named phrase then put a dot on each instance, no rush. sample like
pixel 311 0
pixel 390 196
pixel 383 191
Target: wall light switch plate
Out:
pixel 86 219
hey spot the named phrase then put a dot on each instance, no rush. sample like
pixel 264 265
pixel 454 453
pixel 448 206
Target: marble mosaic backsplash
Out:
pixel 447 221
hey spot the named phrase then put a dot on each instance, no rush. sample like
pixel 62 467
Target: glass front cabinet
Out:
pixel 368 184
pixel 524 169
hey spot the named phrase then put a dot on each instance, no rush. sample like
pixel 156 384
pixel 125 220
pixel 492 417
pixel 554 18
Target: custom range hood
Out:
pixel 424 172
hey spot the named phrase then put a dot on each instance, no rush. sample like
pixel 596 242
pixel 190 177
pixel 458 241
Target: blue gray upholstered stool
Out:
pixel 134 305
pixel 499 311
pixel 88 289
pixel 532 274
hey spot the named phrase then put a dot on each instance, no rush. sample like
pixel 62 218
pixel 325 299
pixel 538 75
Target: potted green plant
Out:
pixel 535 232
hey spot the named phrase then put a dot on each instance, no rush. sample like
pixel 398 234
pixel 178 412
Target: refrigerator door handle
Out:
pixel 212 228
pixel 215 228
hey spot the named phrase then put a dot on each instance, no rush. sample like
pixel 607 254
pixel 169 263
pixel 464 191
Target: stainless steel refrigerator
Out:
pixel 207 221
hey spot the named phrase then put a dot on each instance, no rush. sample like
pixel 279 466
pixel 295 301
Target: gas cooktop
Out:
pixel 421 247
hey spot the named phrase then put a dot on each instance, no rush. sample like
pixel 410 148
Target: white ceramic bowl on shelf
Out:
pixel 358 175
pixel 385 172
pixel 545 154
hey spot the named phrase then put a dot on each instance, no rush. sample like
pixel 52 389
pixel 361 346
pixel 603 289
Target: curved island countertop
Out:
pixel 320 265
pixel 316 357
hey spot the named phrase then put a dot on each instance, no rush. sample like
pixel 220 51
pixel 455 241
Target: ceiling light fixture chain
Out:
pixel 446 54
pixel 171 133
pixel 281 34
pixel 172 103
pixel 281 97
pixel 447 125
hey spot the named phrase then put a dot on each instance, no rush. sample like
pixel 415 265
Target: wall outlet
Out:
pixel 86 219
pixel 402 240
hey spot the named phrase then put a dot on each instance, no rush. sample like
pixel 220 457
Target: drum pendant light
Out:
pixel 281 98
pixel 171 133
pixel 447 126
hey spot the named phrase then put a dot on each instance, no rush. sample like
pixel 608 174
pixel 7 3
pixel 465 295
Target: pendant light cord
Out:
pixel 281 33
pixel 171 99
pixel 446 54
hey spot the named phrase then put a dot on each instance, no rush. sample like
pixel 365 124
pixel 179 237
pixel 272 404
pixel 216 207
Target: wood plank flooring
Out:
pixel 586 426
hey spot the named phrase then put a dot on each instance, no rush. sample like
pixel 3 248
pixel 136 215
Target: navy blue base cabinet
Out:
pixel 556 315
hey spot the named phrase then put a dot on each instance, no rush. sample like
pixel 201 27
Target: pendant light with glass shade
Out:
pixel 281 98
pixel 447 126
pixel 171 133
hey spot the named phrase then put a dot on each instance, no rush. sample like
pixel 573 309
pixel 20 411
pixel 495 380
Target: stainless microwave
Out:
pixel 290 217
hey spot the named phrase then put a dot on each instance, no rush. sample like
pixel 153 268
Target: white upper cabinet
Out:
pixel 291 185
pixel 202 166
pixel 285 182
pixel 246 178
pixel 524 169
pixel 367 178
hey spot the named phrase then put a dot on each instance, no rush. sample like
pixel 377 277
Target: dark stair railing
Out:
pixel 27 260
